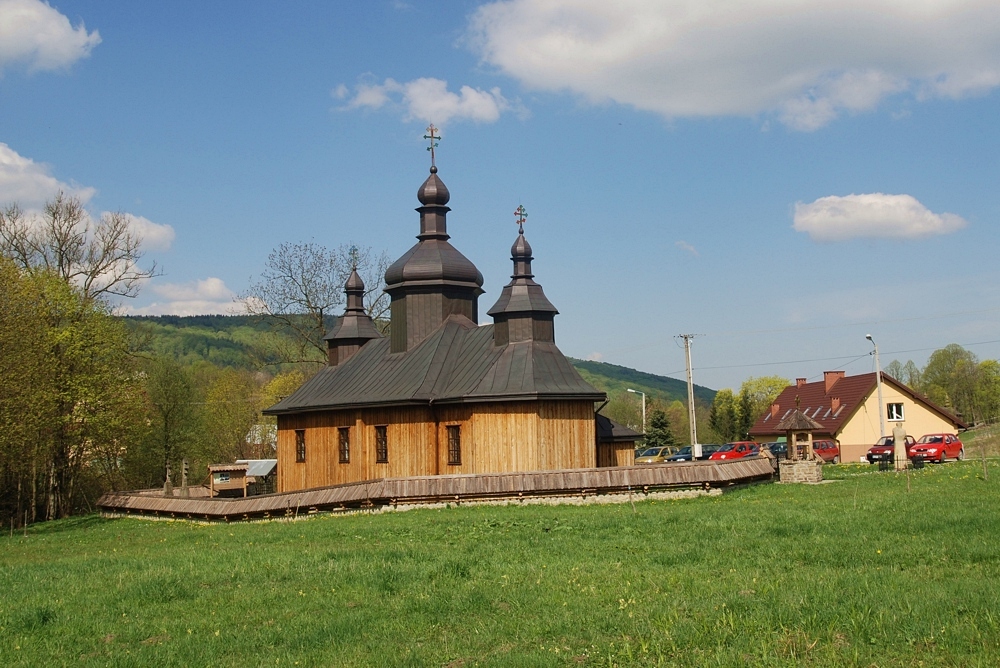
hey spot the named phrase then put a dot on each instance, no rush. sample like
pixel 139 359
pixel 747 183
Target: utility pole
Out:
pixel 695 445
pixel 878 380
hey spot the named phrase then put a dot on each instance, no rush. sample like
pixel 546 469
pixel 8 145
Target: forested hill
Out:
pixel 613 379
pixel 235 341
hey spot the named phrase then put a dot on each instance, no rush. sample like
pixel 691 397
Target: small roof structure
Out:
pixel 798 421
pixel 259 467
pixel 609 431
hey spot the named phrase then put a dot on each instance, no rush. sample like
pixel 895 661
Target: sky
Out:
pixel 777 177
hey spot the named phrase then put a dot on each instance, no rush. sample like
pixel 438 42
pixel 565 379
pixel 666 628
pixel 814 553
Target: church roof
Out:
pixel 457 363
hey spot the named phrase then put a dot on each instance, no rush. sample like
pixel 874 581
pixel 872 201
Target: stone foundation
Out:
pixel 802 470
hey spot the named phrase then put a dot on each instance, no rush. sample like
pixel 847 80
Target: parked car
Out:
pixel 778 448
pixel 828 451
pixel 684 454
pixel 654 455
pixel 885 446
pixel 736 450
pixel 937 448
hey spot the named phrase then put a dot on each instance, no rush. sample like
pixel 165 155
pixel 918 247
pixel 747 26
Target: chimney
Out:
pixel 774 410
pixel 835 404
pixel 831 377
pixel 799 382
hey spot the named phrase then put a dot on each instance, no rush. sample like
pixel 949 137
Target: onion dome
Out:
pixel 522 312
pixel 355 327
pixel 433 190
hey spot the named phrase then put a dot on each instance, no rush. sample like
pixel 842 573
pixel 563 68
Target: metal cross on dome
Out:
pixel 434 140
pixel 353 253
pixel 521 216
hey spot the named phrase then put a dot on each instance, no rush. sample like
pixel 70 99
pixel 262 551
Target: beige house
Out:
pixel 847 408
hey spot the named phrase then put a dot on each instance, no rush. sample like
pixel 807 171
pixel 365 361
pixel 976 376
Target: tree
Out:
pixel 173 416
pixel 722 416
pixel 232 408
pixel 69 399
pixel 950 379
pixel 659 433
pixel 101 259
pixel 755 398
pixel 302 287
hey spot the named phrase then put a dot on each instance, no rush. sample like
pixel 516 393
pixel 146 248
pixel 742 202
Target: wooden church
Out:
pixel 442 394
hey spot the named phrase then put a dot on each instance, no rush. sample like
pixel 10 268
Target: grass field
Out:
pixel 873 569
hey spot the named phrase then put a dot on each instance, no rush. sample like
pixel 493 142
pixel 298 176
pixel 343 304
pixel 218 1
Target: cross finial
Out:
pixel 433 137
pixel 353 253
pixel 521 215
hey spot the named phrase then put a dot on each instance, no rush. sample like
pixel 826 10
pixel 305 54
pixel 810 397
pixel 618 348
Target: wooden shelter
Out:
pixel 799 429
pixel 441 394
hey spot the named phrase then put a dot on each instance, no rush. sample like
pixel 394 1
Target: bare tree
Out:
pixel 302 286
pixel 101 259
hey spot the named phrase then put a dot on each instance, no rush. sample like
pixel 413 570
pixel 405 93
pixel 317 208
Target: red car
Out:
pixel 736 450
pixel 828 451
pixel 937 448
pixel 884 447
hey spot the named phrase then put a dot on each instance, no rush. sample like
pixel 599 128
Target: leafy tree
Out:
pixel 232 408
pixel 755 398
pixel 951 378
pixel 173 416
pixel 722 416
pixel 659 433
pixel 302 287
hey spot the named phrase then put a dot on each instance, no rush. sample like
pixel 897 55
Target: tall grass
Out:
pixel 867 570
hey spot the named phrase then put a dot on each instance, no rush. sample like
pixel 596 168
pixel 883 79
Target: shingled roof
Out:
pixel 456 363
pixel 832 401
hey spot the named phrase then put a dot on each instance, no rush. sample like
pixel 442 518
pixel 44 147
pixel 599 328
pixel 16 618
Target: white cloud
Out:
pixel 685 246
pixel 36 35
pixel 196 298
pixel 428 99
pixel 30 185
pixel 874 215
pixel 154 235
pixel 808 61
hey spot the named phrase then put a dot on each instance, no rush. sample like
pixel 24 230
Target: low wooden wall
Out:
pixel 442 488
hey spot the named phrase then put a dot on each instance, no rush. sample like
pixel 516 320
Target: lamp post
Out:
pixel 643 406
pixel 878 381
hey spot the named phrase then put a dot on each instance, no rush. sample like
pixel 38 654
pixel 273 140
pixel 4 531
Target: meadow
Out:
pixel 874 569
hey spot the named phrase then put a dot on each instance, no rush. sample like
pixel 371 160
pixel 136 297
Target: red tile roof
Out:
pixel 833 407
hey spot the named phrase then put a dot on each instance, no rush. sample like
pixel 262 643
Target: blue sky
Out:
pixel 778 177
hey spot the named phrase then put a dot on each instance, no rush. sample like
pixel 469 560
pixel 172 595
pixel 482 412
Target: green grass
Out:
pixel 857 572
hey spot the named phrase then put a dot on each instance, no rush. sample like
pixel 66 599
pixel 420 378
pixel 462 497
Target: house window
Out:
pixel 300 445
pixel 381 445
pixel 223 477
pixel 894 412
pixel 454 444
pixel 344 435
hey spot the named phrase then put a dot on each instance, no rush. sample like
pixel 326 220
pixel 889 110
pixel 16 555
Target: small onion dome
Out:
pixel 433 191
pixel 521 249
pixel 354 282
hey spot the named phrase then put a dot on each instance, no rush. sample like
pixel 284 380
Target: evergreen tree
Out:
pixel 659 432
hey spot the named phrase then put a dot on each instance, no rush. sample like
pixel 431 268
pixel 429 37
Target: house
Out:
pixel 441 394
pixel 847 408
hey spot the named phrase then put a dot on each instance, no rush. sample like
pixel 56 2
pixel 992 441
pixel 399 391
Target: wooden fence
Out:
pixel 444 488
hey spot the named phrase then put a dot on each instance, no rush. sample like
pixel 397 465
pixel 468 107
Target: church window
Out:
pixel 381 445
pixel 344 436
pixel 300 445
pixel 454 444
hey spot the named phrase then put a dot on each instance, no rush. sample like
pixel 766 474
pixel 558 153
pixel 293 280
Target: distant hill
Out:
pixel 614 378
pixel 234 341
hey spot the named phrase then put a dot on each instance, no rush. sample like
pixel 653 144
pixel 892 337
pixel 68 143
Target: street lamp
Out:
pixel 643 406
pixel 878 379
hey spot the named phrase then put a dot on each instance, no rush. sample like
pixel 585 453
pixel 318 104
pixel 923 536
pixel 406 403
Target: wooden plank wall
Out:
pixel 496 437
pixel 616 454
